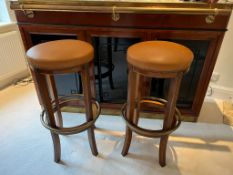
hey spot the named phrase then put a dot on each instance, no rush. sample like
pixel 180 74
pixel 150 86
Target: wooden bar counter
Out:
pixel 113 25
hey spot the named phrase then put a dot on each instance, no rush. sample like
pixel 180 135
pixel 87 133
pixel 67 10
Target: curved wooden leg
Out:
pixel 130 109
pixel 92 78
pixel 56 147
pixel 138 97
pixel 54 96
pixel 88 107
pixel 169 116
pixel 46 103
pixel 128 138
pixel 163 151
pixel 92 142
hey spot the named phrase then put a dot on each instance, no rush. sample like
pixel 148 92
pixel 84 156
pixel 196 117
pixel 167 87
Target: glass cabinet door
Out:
pixel 110 64
pixel 159 87
pixel 111 68
pixel 195 81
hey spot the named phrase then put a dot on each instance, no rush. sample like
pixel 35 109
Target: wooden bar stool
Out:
pixel 60 57
pixel 158 59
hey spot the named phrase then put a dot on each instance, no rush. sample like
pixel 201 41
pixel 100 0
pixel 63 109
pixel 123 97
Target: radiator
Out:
pixel 12 57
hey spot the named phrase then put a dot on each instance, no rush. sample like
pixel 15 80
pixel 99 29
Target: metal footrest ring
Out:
pixel 148 132
pixel 70 130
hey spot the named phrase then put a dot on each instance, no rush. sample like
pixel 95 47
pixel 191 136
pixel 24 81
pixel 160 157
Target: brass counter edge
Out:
pixel 158 8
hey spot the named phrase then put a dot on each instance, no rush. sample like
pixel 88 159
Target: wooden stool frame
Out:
pixel 133 107
pixel 51 104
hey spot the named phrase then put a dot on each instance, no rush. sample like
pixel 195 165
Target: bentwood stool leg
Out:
pixel 169 115
pixel 41 80
pixel 130 109
pixel 139 86
pixel 92 78
pixel 88 107
pixel 54 96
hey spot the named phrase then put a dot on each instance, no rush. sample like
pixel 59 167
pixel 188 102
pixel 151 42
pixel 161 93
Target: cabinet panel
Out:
pixel 110 62
pixel 28 30
pixel 195 82
pixel 129 20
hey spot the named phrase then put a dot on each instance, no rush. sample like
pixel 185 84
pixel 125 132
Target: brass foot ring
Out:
pixel 75 129
pixel 147 132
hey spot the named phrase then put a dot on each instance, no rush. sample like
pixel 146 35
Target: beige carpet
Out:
pixel 26 147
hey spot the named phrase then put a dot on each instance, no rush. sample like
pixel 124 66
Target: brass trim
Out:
pixel 29 13
pixel 210 19
pixel 123 7
pixel 70 130
pixel 115 15
pixel 148 132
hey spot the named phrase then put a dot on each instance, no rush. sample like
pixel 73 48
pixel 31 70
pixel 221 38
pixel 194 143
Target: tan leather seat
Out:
pixel 160 56
pixel 61 54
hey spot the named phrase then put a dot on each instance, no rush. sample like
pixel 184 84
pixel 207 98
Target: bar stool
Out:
pixel 155 59
pixel 60 57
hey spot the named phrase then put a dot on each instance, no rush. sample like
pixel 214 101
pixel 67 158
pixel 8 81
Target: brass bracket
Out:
pixel 211 18
pixel 27 13
pixel 115 16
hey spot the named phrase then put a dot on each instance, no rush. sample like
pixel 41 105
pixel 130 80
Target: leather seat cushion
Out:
pixel 60 54
pixel 160 56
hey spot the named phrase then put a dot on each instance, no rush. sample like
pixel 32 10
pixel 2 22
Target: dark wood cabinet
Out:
pixel 112 38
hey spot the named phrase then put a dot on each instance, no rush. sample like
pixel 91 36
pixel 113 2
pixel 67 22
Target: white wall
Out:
pixel 11 12
pixel 17 71
pixel 4 17
pixel 224 65
pixel 223 87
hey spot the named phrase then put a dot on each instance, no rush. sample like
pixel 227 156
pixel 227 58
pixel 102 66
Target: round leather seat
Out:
pixel 60 54
pixel 160 56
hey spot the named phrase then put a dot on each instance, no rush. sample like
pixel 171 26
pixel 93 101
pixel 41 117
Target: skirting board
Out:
pixel 220 92
pixel 14 78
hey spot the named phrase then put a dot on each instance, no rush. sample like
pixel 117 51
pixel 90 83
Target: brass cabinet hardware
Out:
pixel 29 13
pixel 115 15
pixel 210 19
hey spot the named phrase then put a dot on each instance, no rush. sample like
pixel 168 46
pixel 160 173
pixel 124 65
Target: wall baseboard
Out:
pixel 14 78
pixel 219 92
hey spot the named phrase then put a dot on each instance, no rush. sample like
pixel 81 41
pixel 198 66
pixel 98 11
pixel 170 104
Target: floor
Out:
pixel 199 148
